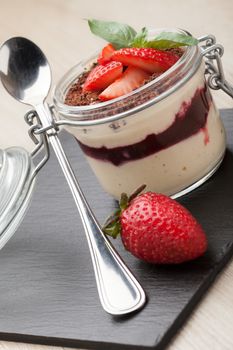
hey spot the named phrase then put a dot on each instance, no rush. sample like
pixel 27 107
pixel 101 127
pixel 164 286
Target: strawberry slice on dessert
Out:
pixel 148 59
pixel 105 55
pixel 131 79
pixel 102 75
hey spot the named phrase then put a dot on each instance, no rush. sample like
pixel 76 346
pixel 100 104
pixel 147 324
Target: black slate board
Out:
pixel 48 293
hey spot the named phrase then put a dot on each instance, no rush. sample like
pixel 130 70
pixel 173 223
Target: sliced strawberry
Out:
pixel 131 79
pixel 102 76
pixel 150 60
pixel 105 55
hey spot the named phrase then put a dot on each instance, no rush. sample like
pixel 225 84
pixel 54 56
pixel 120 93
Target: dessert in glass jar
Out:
pixel 144 115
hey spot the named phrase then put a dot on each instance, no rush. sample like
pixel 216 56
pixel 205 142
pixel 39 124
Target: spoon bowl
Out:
pixel 24 71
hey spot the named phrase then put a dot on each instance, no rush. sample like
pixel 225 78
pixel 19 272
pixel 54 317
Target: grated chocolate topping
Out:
pixel 76 97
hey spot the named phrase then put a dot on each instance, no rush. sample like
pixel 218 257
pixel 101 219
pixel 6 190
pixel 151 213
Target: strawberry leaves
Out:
pixel 118 34
pixel 121 35
pixel 163 41
pixel 112 225
pixel 170 40
pixel 140 38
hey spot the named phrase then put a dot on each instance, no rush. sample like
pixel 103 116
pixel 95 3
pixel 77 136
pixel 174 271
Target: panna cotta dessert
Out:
pixel 142 112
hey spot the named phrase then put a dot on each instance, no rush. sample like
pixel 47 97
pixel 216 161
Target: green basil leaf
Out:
pixel 168 40
pixel 140 38
pixel 118 34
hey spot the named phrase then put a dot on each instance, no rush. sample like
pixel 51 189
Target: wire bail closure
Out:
pixel 39 138
pixel 214 67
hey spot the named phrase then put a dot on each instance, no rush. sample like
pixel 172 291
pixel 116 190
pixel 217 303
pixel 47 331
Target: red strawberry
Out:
pixel 105 55
pixel 102 76
pixel 157 229
pixel 148 59
pixel 131 79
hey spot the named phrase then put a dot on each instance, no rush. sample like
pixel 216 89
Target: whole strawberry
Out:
pixel 157 229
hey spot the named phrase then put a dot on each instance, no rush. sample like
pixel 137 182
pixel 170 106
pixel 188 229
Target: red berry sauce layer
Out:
pixel 190 120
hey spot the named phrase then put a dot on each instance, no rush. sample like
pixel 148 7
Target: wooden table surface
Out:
pixel 59 28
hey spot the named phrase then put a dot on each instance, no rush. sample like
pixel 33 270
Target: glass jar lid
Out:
pixel 16 185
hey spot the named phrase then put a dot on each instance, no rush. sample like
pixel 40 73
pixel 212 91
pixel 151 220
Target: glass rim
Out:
pixel 74 113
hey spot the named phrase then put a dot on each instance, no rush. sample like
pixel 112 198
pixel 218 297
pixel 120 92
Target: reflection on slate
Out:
pixel 48 293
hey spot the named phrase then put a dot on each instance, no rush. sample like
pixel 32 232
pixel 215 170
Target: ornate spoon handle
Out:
pixel 119 291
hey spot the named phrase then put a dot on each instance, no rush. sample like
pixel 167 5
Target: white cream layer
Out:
pixel 170 170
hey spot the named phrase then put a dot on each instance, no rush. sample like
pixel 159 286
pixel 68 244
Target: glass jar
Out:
pixel 16 187
pixel 167 134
